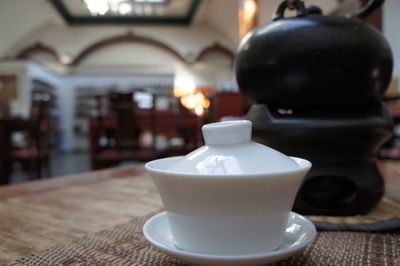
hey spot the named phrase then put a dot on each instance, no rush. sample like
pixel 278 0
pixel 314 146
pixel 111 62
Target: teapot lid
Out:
pixel 229 150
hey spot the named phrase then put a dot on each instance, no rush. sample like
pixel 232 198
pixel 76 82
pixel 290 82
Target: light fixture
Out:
pixel 125 7
pixel 248 12
pixel 197 103
pixel 183 86
pixel 191 98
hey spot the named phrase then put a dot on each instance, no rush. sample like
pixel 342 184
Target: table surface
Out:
pixel 40 214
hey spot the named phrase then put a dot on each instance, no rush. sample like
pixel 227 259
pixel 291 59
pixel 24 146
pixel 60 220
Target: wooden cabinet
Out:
pixel 44 92
pixel 227 104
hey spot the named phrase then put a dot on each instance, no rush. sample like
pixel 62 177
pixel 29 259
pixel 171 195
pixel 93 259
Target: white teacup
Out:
pixel 227 214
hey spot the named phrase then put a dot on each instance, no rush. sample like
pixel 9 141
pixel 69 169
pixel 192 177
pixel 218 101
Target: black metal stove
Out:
pixel 318 82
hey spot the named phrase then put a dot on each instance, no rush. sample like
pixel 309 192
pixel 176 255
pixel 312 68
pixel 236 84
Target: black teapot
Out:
pixel 314 62
pixel 317 82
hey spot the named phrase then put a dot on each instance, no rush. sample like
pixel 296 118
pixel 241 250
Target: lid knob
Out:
pixel 228 132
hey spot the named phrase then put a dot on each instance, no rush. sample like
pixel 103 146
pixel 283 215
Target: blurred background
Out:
pixel 89 84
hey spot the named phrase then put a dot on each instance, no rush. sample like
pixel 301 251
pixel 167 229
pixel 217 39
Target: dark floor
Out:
pixel 60 164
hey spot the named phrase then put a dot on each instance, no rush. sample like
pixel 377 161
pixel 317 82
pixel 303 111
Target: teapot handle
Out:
pixel 301 10
pixel 367 9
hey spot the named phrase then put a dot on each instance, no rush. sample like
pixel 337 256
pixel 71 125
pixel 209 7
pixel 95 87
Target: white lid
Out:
pixel 229 150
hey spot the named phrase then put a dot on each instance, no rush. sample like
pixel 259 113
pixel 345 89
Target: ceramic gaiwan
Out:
pixel 231 196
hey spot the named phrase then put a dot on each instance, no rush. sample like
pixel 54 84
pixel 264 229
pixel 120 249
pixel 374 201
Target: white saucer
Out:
pixel 299 233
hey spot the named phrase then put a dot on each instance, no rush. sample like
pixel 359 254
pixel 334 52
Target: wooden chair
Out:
pixel 125 146
pixel 34 155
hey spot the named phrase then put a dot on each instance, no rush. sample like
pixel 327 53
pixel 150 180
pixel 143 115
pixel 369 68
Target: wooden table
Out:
pixel 41 214
pixel 31 213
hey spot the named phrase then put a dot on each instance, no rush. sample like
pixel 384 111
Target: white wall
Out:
pixel 391 23
pixel 214 70
pixel 126 54
pixel 221 16
pixel 26 71
pixel 20 18
pixel 37 71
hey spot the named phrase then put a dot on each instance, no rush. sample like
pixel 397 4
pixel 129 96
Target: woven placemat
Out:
pixel 385 216
pixel 125 245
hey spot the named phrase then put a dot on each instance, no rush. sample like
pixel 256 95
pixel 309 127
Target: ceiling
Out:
pixel 141 12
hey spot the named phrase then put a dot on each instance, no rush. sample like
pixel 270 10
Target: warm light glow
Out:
pixel 183 87
pixel 124 7
pixel 206 103
pixel 191 97
pixel 196 102
pixel 248 12
pixel 250 8
pixel 199 110
pixel 188 101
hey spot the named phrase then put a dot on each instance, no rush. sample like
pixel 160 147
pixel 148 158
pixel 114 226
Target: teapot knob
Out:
pixel 227 132
pixel 298 5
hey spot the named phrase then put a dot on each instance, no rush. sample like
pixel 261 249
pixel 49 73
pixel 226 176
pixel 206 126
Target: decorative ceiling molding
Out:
pixel 30 51
pixel 38 47
pixel 130 37
pixel 216 48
